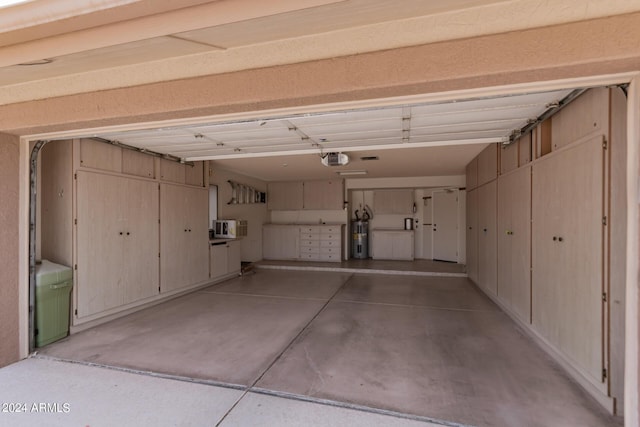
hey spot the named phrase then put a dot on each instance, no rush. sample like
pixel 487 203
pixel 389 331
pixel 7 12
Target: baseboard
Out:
pixel 141 305
pixel 596 393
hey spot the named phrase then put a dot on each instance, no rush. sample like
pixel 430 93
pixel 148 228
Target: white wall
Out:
pixel 309 217
pixel 255 213
pixel 360 193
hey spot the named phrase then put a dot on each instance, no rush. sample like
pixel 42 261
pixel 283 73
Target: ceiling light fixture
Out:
pixel 349 173
pixel 335 159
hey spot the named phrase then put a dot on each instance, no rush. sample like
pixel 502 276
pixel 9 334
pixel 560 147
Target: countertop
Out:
pixel 220 240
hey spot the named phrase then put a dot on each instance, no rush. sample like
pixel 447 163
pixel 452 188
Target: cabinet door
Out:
pixel 472 235
pixel 174 242
pixel 194 175
pixel 218 260
pixel 141 270
pixel 280 242
pixel 172 171
pixel 472 174
pixel 520 195
pixel 588 116
pixel 323 195
pixel 138 164
pixel 402 244
pixel 285 196
pixel 488 164
pixel 525 149
pixel 393 202
pixel 514 248
pixel 505 280
pixel 234 262
pixel 382 245
pixel 100 155
pixel 508 157
pixel 197 219
pixel 487 238
pixel 100 235
pixel 567 274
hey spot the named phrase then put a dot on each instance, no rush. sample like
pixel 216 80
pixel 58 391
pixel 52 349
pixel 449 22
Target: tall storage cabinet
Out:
pixel 117 241
pixel 514 242
pixel 184 237
pixel 472 235
pixel 561 227
pixel 568 253
pixel 487 238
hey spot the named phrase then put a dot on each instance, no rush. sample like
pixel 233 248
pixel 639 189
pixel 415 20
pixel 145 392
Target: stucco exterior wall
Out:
pixel 600 46
pixel 9 211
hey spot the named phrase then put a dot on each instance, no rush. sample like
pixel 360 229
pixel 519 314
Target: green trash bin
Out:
pixel 53 294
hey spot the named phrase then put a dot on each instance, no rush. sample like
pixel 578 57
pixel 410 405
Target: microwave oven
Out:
pixel 229 228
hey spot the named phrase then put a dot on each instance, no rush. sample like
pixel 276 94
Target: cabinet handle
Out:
pixel 560 239
pixel 484 229
pixel 189 230
pixel 121 233
pixel 185 230
pixel 128 233
pixel 555 238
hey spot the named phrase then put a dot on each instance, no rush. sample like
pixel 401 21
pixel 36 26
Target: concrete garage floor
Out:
pixel 432 347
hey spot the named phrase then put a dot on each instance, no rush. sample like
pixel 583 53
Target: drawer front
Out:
pixel 334 229
pixel 335 237
pixel 309 243
pixel 329 257
pixel 328 251
pixel 310 250
pixel 309 236
pixel 309 229
pixel 330 243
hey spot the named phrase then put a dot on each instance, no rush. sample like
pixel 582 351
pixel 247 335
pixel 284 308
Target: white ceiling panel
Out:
pixel 539 100
pixel 464 122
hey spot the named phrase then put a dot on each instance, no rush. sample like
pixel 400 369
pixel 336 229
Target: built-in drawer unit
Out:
pixel 321 242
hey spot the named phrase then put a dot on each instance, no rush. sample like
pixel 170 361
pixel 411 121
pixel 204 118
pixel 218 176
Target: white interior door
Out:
pixel 445 225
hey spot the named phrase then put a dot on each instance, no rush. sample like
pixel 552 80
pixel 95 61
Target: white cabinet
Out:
pixel 99 155
pixel 514 242
pixel 392 244
pixel 308 195
pixel 138 164
pixel 567 257
pixel 393 202
pixel 323 195
pixel 488 164
pixel 171 171
pixel 117 241
pixel 280 241
pixel 224 258
pixel 472 235
pixel 487 237
pixel 194 174
pixel 285 196
pixel 184 236
pixel 321 242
